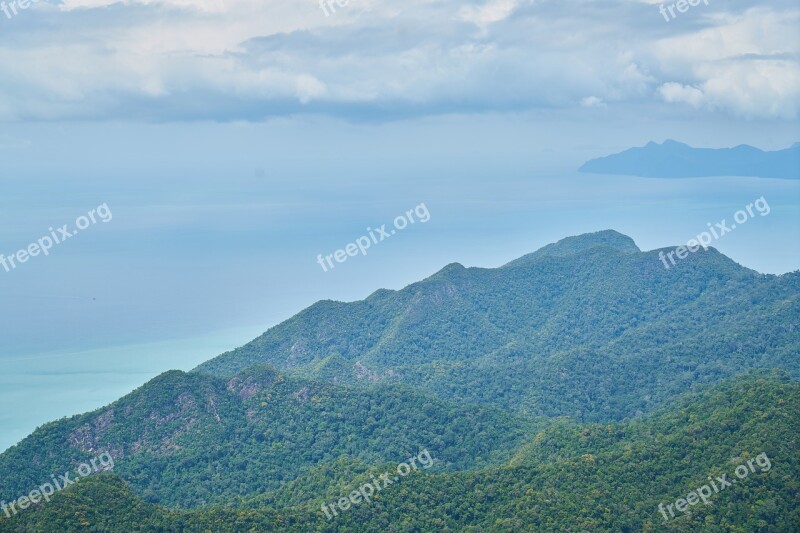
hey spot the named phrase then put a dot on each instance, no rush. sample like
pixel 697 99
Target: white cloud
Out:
pixel 309 87
pixel 745 65
pixel 246 59
pixel 489 13
pixel 207 6
pixel 677 93
pixel 592 101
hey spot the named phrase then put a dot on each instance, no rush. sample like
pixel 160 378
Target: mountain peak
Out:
pixel 581 243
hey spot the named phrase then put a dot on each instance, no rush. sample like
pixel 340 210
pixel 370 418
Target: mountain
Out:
pixel 568 477
pixel 581 243
pixel 572 388
pixel 191 440
pixel 673 159
pixel 589 327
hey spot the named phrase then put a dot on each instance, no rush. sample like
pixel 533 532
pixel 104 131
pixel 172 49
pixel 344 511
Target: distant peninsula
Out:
pixel 673 159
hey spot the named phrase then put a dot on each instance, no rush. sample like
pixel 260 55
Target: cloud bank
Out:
pixel 160 60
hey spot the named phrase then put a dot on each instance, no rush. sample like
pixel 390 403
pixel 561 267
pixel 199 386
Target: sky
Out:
pixel 231 143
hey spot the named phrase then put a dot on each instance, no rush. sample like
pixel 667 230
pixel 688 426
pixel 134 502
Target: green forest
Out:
pixel 574 389
pixel 566 477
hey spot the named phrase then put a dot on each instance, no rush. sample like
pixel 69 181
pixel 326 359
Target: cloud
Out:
pixel 593 101
pixel 489 13
pixel 746 65
pixel 309 87
pixel 753 90
pixel 252 59
pixel 207 6
pixel 675 92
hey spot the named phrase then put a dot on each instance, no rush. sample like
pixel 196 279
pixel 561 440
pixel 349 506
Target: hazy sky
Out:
pixel 234 141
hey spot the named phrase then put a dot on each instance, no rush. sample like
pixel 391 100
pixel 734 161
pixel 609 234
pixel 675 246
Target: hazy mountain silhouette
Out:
pixel 673 159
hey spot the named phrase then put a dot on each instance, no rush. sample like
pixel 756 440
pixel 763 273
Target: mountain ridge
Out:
pixel 673 159
pixel 387 335
pixel 195 420
pixel 471 363
pixel 566 477
pixel 580 243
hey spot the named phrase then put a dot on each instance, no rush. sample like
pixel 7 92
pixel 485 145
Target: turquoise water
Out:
pixel 40 388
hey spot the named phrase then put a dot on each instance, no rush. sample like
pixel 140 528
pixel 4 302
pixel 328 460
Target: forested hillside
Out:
pixel 193 439
pixel 589 327
pixel 568 477
pixel 573 389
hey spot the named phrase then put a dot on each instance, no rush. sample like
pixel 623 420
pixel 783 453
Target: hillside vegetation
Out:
pixel 573 389
pixel 568 477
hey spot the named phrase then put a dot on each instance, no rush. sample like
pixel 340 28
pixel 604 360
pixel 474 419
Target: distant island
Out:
pixel 673 159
